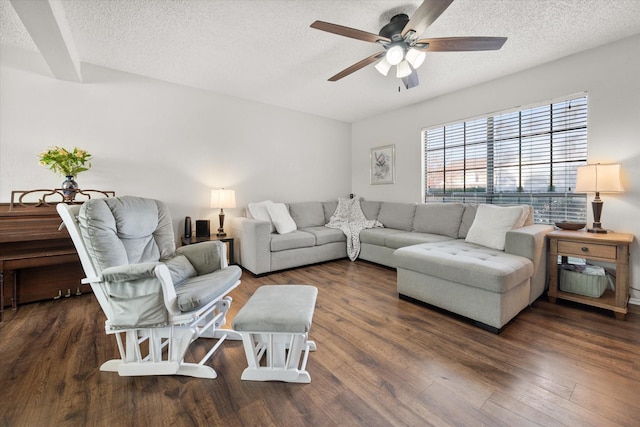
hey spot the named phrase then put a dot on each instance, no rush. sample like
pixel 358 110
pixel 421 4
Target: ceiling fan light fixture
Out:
pixel 416 57
pixel 403 69
pixel 383 66
pixel 394 55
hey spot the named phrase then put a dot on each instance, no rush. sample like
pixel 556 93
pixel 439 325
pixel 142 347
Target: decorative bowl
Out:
pixel 566 225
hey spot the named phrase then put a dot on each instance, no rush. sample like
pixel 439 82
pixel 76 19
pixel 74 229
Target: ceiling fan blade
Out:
pixel 461 44
pixel 426 14
pixel 348 32
pixel 355 67
pixel 411 80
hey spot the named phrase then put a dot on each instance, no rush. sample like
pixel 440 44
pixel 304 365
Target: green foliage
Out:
pixel 65 162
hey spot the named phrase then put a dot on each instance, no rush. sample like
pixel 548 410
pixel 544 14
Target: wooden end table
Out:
pixel 226 239
pixel 609 247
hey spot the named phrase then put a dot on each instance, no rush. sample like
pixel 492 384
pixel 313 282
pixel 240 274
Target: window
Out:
pixel 528 156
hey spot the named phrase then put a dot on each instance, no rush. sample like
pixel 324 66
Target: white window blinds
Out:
pixel 528 156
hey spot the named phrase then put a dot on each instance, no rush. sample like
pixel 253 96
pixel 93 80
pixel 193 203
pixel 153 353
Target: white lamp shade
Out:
pixel 416 57
pixel 598 178
pixel 394 55
pixel 224 199
pixel 383 66
pixel 403 69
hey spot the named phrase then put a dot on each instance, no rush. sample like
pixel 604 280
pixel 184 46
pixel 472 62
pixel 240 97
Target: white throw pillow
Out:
pixel 281 218
pixel 491 224
pixel 526 210
pixel 259 211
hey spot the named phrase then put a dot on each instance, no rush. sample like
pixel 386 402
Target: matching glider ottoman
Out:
pixel 274 325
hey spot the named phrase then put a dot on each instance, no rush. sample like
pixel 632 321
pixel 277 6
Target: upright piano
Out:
pixel 37 258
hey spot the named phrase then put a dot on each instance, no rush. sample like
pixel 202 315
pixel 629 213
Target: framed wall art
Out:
pixel 382 164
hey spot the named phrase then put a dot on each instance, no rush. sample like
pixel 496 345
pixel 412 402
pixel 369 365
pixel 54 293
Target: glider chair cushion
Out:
pixel 136 235
pixel 126 230
pixel 148 289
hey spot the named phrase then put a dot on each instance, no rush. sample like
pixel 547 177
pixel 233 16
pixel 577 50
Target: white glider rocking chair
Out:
pixel 157 298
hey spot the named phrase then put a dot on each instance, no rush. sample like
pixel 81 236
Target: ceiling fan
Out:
pixel 402 48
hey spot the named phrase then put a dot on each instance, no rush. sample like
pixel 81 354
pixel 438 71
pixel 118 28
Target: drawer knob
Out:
pixel 584 249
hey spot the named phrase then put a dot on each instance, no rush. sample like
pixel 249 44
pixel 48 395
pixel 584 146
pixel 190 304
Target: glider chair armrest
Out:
pixel 129 272
pixel 206 257
pixel 139 295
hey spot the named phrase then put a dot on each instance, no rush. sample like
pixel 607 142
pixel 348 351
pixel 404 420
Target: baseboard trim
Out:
pixel 634 301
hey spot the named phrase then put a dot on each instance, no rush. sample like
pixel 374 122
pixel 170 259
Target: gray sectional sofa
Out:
pixel 425 243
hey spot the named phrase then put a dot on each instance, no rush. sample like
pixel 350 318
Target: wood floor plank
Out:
pixel 504 406
pixel 608 405
pixel 380 361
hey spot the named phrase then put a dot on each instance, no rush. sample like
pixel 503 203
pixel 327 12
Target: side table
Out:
pixel 609 247
pixel 228 240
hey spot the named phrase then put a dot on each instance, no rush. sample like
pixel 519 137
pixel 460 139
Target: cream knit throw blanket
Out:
pixel 349 218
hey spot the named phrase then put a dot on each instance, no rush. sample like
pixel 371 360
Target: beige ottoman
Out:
pixel 275 325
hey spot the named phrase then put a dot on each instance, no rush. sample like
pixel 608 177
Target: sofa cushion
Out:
pixel 329 209
pixel 281 218
pixel 377 236
pixel 370 209
pixel 408 238
pixel 467 219
pixel 492 222
pixel 307 214
pixel 528 220
pixel 325 235
pixel 293 240
pixel 439 218
pixel 397 215
pixel 259 211
pixel 466 263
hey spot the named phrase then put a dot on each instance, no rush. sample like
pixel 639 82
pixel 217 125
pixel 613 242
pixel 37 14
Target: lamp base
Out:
pixel 597 230
pixel 221 232
pixel 597 212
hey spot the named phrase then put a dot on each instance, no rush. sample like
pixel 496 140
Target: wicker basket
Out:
pixel 582 284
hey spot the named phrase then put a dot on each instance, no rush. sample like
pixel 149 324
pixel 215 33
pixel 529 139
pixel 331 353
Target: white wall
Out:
pixel 611 76
pixel 165 141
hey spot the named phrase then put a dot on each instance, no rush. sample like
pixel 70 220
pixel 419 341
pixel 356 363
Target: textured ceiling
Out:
pixel 264 50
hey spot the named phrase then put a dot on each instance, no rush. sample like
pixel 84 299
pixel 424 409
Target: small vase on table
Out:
pixel 69 189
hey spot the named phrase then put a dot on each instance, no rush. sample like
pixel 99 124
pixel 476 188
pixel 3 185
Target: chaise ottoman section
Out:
pixel 466 263
pixel 486 285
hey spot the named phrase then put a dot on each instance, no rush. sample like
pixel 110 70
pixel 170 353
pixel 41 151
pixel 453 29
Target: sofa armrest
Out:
pixel 527 241
pixel 253 243
pixel 530 242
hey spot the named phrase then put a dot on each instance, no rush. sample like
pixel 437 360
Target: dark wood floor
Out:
pixel 380 361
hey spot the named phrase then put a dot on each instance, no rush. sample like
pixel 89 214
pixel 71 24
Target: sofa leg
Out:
pixel 489 328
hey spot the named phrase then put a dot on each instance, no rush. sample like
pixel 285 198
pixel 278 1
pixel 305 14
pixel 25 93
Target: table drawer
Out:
pixel 586 250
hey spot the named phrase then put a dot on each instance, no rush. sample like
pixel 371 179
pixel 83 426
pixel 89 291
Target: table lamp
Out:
pixel 598 179
pixel 222 199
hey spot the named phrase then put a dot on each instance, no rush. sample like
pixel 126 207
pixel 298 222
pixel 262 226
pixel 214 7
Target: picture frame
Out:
pixel 382 165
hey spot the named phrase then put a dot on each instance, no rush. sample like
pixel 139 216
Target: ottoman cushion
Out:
pixel 278 308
